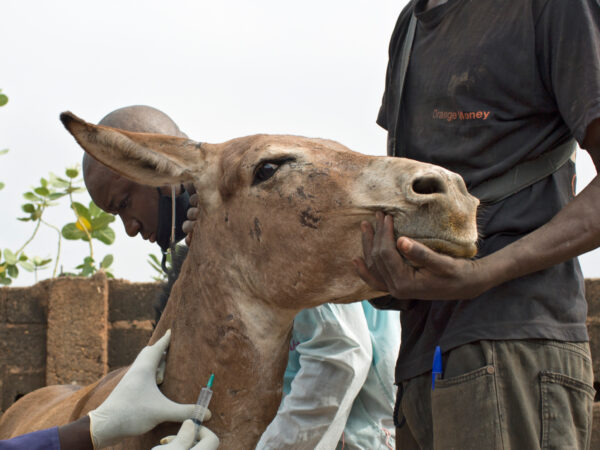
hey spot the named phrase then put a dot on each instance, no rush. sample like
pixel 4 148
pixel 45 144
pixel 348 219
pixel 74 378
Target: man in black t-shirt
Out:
pixel 488 86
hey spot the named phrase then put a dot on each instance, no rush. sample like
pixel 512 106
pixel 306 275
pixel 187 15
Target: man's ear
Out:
pixel 146 158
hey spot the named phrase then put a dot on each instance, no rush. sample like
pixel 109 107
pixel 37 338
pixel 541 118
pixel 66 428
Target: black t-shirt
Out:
pixel 492 83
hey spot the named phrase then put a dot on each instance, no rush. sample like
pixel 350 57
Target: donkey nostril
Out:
pixel 429 185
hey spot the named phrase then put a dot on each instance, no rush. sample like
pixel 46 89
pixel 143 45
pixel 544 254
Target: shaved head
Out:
pixel 137 205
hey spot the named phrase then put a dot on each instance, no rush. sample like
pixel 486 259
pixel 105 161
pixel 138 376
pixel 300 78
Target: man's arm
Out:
pixel 334 363
pixel 429 275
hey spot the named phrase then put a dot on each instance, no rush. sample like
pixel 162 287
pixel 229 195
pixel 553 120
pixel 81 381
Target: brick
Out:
pixel 125 340
pixel 3 294
pixel 19 383
pixel 132 301
pixel 592 294
pixel 77 344
pixel 28 304
pixel 23 346
pixel 2 376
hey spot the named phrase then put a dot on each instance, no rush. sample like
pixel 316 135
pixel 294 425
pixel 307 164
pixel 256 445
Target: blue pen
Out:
pixel 436 371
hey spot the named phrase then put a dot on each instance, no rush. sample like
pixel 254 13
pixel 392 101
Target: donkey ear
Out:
pixel 149 159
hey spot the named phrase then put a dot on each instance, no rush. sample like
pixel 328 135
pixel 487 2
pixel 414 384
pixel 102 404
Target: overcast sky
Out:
pixel 220 69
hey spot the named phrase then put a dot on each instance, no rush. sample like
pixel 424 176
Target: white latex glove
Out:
pixel 186 437
pixel 136 405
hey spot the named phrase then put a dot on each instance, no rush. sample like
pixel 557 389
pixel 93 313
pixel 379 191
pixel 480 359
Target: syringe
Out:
pixel 202 403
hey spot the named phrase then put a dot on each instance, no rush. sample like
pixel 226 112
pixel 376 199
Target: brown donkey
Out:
pixel 280 224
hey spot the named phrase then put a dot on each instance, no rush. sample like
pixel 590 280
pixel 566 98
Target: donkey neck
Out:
pixel 217 327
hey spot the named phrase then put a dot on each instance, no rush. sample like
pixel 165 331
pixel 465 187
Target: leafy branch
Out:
pixel 90 223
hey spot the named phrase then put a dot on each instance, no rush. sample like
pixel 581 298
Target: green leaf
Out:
pixel 106 235
pixel 12 271
pixel 106 262
pixel 87 271
pixel 27 266
pixel 71 232
pixel 3 99
pixel 42 263
pixel 102 221
pixel 95 211
pixel 5 281
pixel 10 257
pixel 31 197
pixel 44 192
pixel 28 208
pixel 2 185
pixel 24 219
pixel 4 151
pixel 23 257
pixel 72 172
pixel 44 182
pixel 58 181
pixel 56 195
pixel 82 211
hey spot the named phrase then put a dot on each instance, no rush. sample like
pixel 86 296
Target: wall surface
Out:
pixel 75 330
pixel 70 331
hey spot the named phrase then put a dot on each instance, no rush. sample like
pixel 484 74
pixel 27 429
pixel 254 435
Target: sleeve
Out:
pixel 334 362
pixel 388 302
pixel 38 440
pixel 568 48
pixel 395 42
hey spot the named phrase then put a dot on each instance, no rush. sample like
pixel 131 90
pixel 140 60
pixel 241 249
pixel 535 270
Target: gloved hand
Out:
pixel 136 405
pixel 186 437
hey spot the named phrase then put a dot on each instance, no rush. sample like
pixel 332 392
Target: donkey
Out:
pixel 279 227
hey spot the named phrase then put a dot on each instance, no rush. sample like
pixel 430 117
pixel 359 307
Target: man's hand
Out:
pixel 409 270
pixel 192 215
pixel 186 439
pixel 136 405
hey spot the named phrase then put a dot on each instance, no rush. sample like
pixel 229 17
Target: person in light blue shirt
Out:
pixel 338 384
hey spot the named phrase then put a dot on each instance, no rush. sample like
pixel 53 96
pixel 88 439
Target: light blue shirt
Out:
pixel 338 384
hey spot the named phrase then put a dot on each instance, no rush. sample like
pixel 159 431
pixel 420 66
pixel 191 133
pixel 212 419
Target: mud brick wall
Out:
pixel 74 330
pixel 70 330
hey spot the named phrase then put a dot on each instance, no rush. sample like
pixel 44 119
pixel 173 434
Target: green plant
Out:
pixel 156 265
pixel 90 223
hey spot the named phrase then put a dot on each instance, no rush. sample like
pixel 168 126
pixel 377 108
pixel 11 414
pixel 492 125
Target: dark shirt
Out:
pixel 490 84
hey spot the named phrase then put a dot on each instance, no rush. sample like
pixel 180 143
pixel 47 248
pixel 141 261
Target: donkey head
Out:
pixel 280 215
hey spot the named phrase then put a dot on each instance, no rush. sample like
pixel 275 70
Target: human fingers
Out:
pixel 208 440
pixel 387 259
pixel 363 272
pixel 194 199
pixel 190 188
pixel 379 216
pixel 367 241
pixel 177 412
pixel 167 439
pixel 421 256
pixel 152 354
pixel 192 213
pixel 187 226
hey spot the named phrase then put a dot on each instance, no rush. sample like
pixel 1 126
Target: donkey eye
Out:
pixel 264 172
